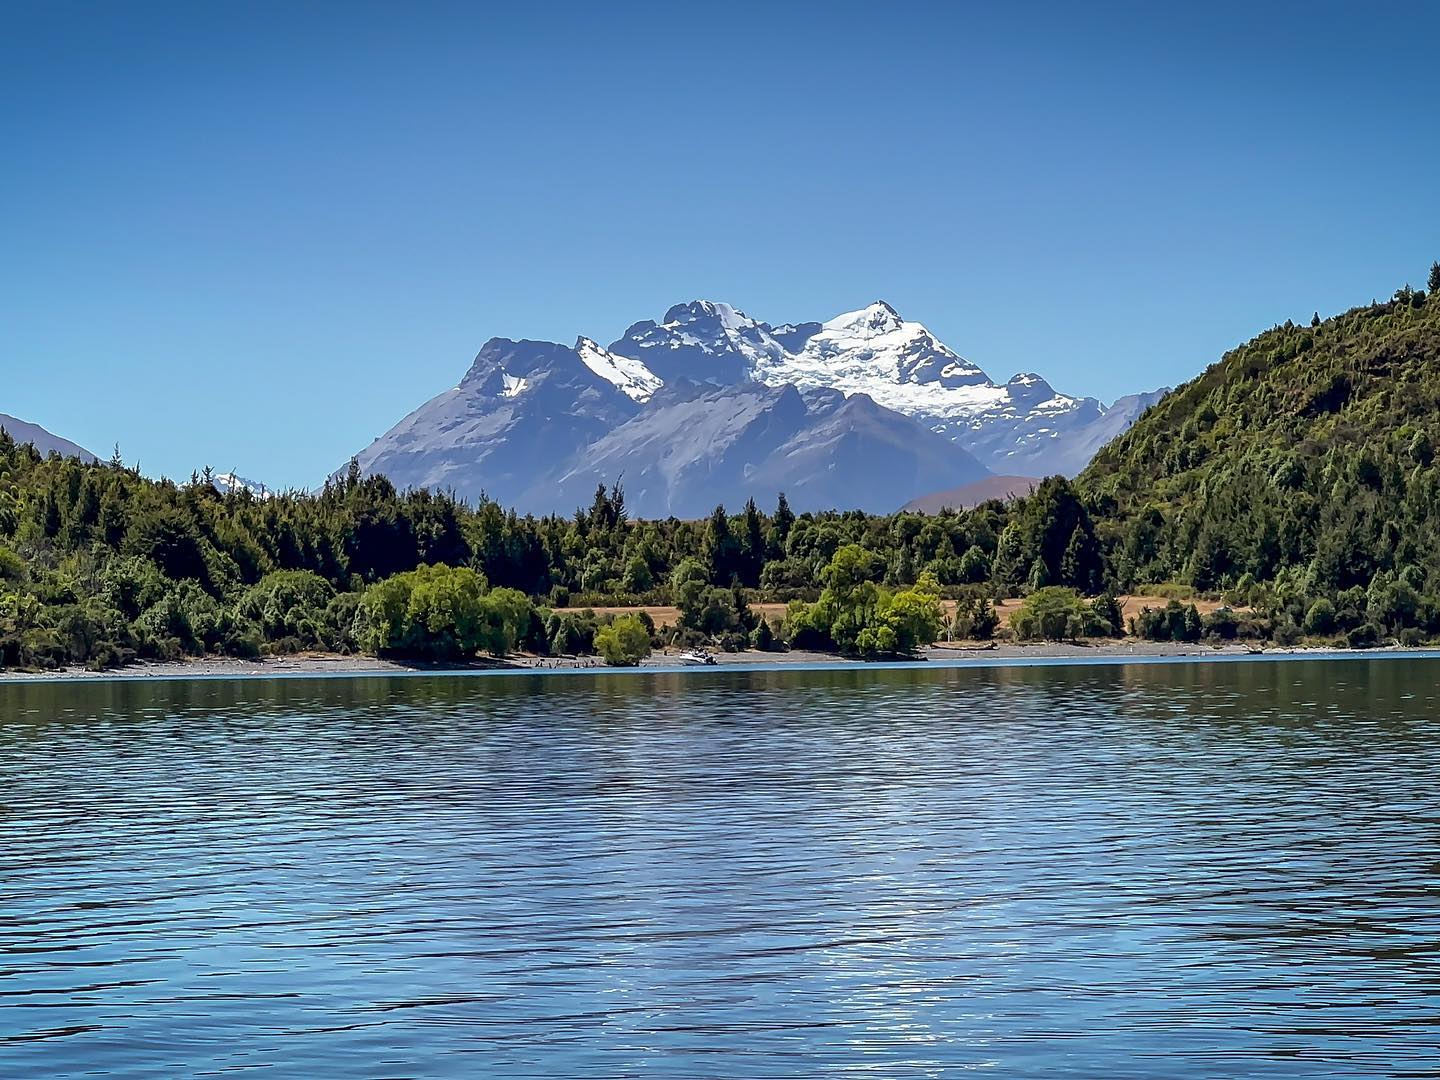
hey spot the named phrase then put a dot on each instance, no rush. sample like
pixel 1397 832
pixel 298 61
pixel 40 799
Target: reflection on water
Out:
pixel 1150 871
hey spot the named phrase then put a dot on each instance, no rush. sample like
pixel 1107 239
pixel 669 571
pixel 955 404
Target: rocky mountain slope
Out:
pixel 696 445
pixel 23 432
pixel 521 409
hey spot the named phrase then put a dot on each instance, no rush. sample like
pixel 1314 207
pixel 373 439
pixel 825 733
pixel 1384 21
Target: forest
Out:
pixel 1296 480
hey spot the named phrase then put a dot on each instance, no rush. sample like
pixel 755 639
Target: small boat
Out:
pixel 696 656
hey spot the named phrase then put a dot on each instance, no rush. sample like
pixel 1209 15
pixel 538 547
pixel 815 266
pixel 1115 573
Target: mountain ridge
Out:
pixel 529 418
pixel 22 431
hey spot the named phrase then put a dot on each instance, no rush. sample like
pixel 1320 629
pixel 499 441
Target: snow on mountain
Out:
pixel 899 364
pixel 227 482
pixel 708 404
pixel 630 377
pixel 1023 426
pixel 702 341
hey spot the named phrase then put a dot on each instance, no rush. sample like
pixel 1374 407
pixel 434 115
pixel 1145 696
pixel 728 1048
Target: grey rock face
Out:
pixel 695 446
pixel 522 406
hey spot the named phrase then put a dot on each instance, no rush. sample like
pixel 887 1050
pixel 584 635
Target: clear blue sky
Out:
pixel 255 235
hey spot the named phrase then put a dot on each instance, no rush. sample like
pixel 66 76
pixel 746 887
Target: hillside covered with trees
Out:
pixel 1296 478
pixel 1298 473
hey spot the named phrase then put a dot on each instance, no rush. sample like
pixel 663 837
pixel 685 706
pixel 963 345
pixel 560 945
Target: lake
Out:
pixel 1157 871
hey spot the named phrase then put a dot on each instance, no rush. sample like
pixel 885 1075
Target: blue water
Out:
pixel 1178 870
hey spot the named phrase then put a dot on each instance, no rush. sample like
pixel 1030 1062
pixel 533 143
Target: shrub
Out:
pixel 1109 619
pixel 441 612
pixel 569 634
pixel 734 642
pixel 289 603
pixel 1320 619
pixel 1174 622
pixel 1054 613
pixel 624 642
pixel 1363 636
pixel 763 637
pixel 976 619
pixel 1222 623
pixel 12 566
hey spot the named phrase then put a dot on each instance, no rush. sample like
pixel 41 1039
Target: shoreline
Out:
pixel 1050 654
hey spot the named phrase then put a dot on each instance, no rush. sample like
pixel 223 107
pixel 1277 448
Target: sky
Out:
pixel 254 236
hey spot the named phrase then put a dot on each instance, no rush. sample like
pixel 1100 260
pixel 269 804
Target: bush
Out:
pixel 763 637
pixel 1056 613
pixel 290 603
pixel 975 619
pixel 12 566
pixel 1174 622
pixel 734 642
pixel 441 612
pixel 624 642
pixel 570 634
pixel 1109 619
pixel 1363 636
pixel 337 622
pixel 1222 623
pixel 1320 619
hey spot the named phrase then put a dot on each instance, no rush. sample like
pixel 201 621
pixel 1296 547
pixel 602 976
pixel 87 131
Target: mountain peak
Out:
pixel 1027 378
pixel 731 318
pixel 876 318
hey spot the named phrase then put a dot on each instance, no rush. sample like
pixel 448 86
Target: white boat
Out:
pixel 695 656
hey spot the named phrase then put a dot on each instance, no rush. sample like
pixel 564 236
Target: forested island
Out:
pixel 1294 482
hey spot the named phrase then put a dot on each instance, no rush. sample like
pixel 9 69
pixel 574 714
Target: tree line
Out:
pixel 1297 479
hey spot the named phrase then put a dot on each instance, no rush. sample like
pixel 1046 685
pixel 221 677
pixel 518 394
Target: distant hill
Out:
pixel 1305 456
pixel 968 495
pixel 24 432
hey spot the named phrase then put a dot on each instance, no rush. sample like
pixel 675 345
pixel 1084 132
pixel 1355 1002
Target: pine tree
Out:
pixel 721 548
pixel 1039 576
pixel 752 545
pixel 1315 319
pixel 780 524
pixel 1434 282
pixel 1079 566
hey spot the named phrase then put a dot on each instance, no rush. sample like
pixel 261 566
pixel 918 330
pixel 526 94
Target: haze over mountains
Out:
pixel 708 405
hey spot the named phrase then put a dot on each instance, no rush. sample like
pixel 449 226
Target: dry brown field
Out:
pixel 667 615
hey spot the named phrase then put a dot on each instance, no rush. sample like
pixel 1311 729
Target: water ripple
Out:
pixel 1151 871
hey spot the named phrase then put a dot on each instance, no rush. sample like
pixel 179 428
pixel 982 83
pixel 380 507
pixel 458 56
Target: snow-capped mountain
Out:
pixel 1022 426
pixel 24 432
pixel 702 341
pixel 228 482
pixel 710 405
